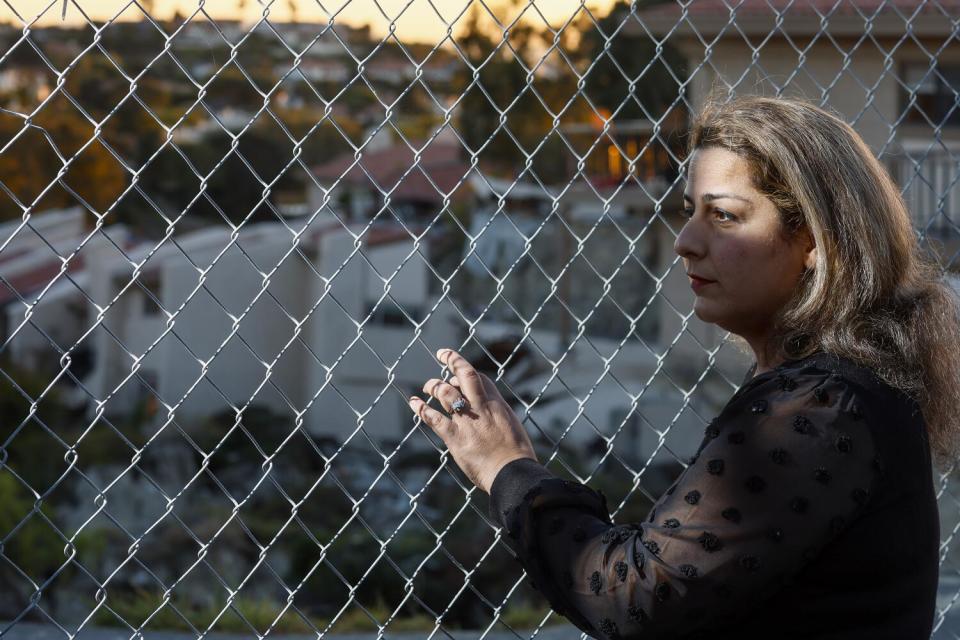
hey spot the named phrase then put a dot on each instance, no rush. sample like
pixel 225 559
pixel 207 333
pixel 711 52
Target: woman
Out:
pixel 808 510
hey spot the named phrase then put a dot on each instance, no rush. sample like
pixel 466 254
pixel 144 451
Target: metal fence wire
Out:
pixel 233 238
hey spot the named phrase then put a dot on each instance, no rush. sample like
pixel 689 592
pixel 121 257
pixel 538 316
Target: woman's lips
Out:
pixel 696 283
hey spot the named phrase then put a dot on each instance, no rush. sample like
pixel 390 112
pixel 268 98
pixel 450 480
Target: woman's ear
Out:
pixel 810 250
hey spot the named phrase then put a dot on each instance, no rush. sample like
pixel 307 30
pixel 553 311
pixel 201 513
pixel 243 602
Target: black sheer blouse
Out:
pixel 808 511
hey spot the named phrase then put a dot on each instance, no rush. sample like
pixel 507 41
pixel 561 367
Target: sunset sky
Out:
pixel 418 21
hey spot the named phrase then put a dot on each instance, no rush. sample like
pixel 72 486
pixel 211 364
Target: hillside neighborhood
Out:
pixel 228 255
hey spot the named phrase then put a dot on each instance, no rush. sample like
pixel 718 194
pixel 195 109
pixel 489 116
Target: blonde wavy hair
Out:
pixel 872 296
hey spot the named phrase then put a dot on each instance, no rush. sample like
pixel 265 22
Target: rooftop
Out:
pixel 735 19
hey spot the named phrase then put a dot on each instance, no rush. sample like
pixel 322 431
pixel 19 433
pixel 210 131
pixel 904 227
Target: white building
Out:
pixel 187 351
pixel 175 328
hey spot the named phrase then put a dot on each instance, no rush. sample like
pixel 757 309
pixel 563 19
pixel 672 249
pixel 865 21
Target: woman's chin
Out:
pixel 704 311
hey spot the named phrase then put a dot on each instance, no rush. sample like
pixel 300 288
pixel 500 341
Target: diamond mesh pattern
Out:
pixel 230 251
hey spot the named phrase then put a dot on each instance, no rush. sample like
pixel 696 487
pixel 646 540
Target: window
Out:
pixel 387 314
pixel 929 175
pixel 150 282
pixel 936 93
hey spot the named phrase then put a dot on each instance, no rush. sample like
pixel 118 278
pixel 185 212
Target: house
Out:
pixel 416 190
pixel 303 325
pixel 216 320
pixel 891 68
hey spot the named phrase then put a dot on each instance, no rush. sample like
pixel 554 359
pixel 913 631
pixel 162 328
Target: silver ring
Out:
pixel 459 404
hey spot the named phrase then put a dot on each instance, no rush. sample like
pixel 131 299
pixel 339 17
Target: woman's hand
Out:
pixel 486 435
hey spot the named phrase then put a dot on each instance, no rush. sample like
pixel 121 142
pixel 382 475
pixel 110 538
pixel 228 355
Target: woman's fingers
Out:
pixel 441 424
pixel 442 391
pixel 489 387
pixel 470 383
pixel 492 434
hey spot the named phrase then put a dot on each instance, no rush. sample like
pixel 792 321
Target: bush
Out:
pixel 35 548
pixel 136 608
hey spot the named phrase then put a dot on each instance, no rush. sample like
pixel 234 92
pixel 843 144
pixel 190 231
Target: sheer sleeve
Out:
pixel 779 474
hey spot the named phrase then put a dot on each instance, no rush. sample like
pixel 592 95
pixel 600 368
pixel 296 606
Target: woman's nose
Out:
pixel 689 243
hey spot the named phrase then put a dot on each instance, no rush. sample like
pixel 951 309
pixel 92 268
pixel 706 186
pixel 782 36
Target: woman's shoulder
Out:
pixel 872 391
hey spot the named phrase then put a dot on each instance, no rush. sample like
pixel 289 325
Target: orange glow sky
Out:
pixel 418 20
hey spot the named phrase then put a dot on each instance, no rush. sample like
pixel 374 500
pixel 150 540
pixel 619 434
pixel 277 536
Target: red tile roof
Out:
pixel 37 279
pixel 757 17
pixel 812 7
pixel 439 160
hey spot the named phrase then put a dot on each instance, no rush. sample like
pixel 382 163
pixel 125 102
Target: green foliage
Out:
pixel 356 619
pixel 37 432
pixel 147 608
pixel 522 615
pixel 503 76
pixel 640 59
pixel 35 548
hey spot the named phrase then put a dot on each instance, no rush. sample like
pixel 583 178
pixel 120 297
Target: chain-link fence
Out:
pixel 232 246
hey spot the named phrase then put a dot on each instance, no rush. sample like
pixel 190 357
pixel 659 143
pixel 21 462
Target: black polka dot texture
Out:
pixel 688 570
pixel 785 382
pixel 595 583
pixel 616 535
pixel 662 591
pixel 750 563
pixel 731 513
pixel 844 444
pixel 794 470
pixel 712 430
pixel 759 406
pixel 621 568
pixel 822 475
pixel 609 628
pixel 636 613
pixel 802 424
pixel 640 560
pixel 709 541
pixel 779 455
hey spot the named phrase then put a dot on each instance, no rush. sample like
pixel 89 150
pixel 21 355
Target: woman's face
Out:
pixel 732 237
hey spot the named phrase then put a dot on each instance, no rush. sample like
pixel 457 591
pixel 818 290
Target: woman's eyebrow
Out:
pixel 716 196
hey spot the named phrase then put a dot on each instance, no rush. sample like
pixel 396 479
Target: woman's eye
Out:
pixel 687 212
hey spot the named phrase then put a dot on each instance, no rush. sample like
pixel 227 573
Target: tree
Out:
pixel 502 80
pixel 655 89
